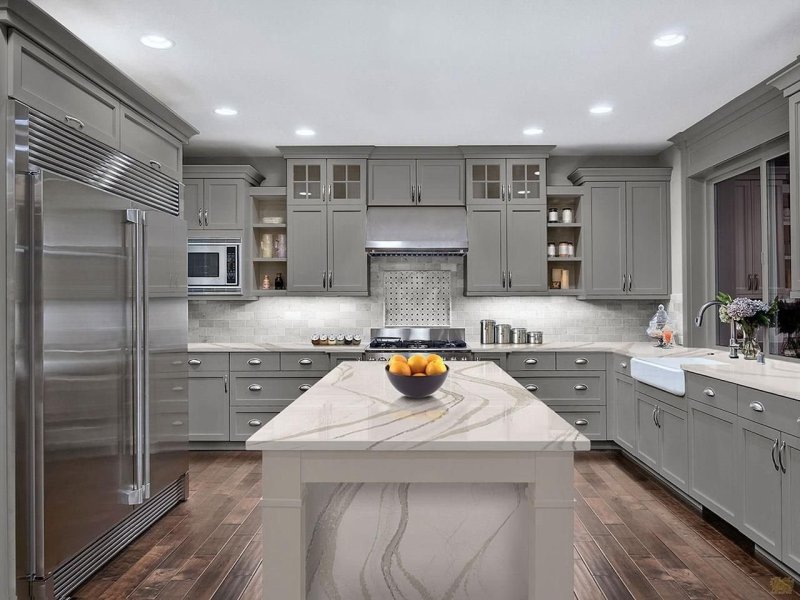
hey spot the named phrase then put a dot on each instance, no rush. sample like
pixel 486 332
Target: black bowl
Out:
pixel 417 387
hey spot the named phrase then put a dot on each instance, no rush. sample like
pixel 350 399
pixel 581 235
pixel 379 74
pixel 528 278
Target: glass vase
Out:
pixel 749 347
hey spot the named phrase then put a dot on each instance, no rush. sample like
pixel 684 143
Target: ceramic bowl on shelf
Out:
pixel 417 387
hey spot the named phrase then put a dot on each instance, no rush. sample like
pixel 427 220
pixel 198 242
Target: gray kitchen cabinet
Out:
pixel 347 181
pixel 223 203
pixel 607 253
pixel 305 181
pixel 347 260
pixel 589 420
pixel 209 407
pixel 307 251
pixel 326 249
pixel 149 144
pixel 624 413
pixel 245 421
pixel 647 208
pixel 790 458
pixel 758 467
pixel 713 464
pixel 673 458
pixel 326 180
pixel 647 433
pixel 340 357
pixel 507 250
pixel 410 182
pixel 215 197
pixel 501 180
pixel 193 203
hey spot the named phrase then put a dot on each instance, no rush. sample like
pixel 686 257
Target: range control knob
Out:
pixel 382 358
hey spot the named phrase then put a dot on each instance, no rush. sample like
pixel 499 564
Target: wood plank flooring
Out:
pixel 633 539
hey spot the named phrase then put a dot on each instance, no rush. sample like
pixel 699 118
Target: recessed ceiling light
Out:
pixel 305 131
pixel 601 109
pixel 159 42
pixel 669 39
pixel 533 131
pixel 226 111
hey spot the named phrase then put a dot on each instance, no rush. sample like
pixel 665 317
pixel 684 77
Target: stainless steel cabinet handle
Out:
pixel 780 456
pixel 531 361
pixel 508 192
pixel 581 388
pixel 195 361
pixel 658 416
pixel 509 279
pixel 155 164
pixel 623 365
pixel 177 423
pixel 330 192
pixel 502 193
pixel 177 388
pixel 205 216
pixel 749 281
pixel 624 282
pixel 304 388
pixel 581 361
pixel 532 387
pixel 200 217
pixel 330 280
pixel 775 447
pixel 305 361
pixel 255 387
pixel 254 422
pixel 758 281
pixel 630 282
pixel 757 406
pixel 654 417
pixel 254 362
pixel 581 423
pixel 324 280
pixel 225 383
pixel 70 119
pixel 413 196
pixel 504 279
pixel 709 392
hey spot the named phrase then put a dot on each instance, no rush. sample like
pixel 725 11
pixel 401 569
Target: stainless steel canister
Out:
pixel 534 337
pixel 487 331
pixel 502 333
pixel 519 335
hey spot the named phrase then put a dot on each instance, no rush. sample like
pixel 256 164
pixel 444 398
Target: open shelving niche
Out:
pixel 561 197
pixel 266 201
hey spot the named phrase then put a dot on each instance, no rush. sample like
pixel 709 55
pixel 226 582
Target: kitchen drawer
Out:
pixel 305 361
pixel 713 392
pixel 576 388
pixel 620 363
pixel 148 143
pixel 44 83
pixel 207 361
pixel 778 412
pixel 589 420
pixel 246 420
pixel 255 361
pixel 498 358
pixel 531 361
pixel 266 391
pixel 340 357
pixel 581 361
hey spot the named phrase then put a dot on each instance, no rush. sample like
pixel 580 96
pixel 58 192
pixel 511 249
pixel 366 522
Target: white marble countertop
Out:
pixel 197 347
pixel 479 408
pixel 641 349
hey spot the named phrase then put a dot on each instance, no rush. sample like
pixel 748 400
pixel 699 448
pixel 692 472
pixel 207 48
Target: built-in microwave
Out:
pixel 215 266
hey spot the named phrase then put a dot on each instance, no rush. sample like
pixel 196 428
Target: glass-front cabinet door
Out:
pixel 525 181
pixel 347 181
pixel 486 181
pixel 306 179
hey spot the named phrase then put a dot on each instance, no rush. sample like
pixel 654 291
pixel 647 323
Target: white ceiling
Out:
pixel 440 72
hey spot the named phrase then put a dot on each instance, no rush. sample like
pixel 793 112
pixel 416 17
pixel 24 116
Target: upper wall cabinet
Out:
pixel 628 232
pixel 215 196
pixel 318 180
pixel 150 144
pixel 410 182
pixel 497 180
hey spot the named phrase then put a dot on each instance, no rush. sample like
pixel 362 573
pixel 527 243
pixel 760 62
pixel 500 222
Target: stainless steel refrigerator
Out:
pixel 100 352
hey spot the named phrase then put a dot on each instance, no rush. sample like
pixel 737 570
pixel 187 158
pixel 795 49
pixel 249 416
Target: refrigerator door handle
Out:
pixel 145 337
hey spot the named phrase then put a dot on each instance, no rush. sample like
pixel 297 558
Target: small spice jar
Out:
pixel 340 340
pixel 551 249
pixel 323 340
pixel 331 340
pixel 315 339
pixel 552 215
pixel 348 340
pixel 566 215
pixel 563 248
pixel 570 249
pixel 356 340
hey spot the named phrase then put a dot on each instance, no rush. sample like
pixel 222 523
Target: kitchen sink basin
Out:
pixel 665 372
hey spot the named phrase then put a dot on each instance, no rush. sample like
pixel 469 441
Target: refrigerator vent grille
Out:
pixel 61 149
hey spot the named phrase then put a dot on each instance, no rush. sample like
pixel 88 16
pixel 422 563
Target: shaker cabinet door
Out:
pixel 647 433
pixel 525 181
pixel 485 262
pixel 392 182
pixel 673 458
pixel 526 247
pixel 623 413
pixel 347 259
pixel 648 237
pixel 347 181
pixel 223 203
pixel 305 181
pixel 193 203
pixel 440 182
pixel 607 253
pixel 790 456
pixel 307 252
pixel 209 408
pixel 486 181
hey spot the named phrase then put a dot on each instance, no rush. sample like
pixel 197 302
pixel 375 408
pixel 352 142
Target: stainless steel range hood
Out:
pixel 417 231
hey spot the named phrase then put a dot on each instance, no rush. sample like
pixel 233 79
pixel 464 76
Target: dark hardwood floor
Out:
pixel 633 539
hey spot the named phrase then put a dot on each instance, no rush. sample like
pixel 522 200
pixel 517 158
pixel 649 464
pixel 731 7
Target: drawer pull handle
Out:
pixel 177 423
pixel 254 387
pixel 304 388
pixel 581 423
pixel 155 164
pixel 531 361
pixel 757 406
pixel 531 387
pixel 177 388
pixel 581 361
pixel 254 362
pixel 254 422
pixel 70 120
pixel 623 365
pixel 581 388
pixel 195 361
pixel 305 361
pixel 709 392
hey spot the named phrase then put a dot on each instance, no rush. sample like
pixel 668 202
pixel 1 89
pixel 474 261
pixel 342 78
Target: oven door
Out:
pixel 214 267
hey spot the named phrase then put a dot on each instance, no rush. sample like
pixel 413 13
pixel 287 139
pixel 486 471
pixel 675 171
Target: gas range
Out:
pixel 447 342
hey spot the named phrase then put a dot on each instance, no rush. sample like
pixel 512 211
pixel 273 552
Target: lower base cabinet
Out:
pixel 589 420
pixel 713 463
pixel 790 492
pixel 245 421
pixel 623 413
pixel 209 406
pixel 661 434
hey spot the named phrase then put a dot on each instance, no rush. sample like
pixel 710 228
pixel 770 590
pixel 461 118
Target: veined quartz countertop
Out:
pixel 197 347
pixel 479 408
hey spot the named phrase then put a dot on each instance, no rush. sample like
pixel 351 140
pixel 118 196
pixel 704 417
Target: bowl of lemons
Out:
pixel 417 376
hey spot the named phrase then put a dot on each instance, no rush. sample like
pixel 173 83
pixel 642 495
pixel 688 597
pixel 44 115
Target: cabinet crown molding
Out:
pixel 404 152
pixel 595 174
pixel 246 172
pixel 325 151
pixel 514 151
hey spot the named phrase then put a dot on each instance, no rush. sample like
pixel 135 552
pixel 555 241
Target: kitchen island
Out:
pixel 467 494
